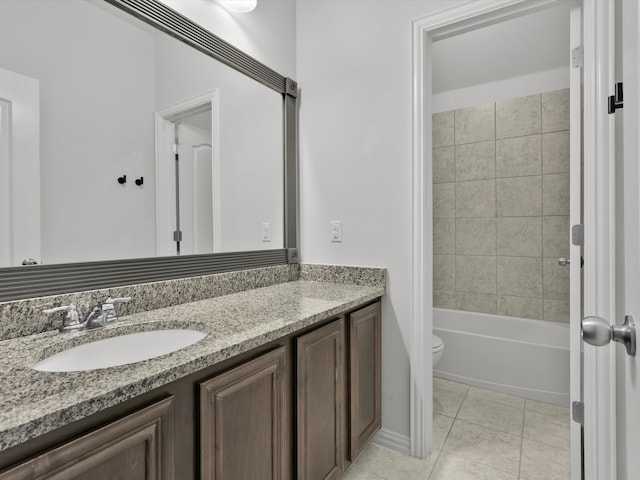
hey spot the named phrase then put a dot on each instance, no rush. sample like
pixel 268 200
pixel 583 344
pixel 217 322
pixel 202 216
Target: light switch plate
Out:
pixel 336 230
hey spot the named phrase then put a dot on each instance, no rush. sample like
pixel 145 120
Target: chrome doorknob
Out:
pixel 596 331
pixel 563 261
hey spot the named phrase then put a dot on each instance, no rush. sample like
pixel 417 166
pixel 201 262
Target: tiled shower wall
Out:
pixel 501 207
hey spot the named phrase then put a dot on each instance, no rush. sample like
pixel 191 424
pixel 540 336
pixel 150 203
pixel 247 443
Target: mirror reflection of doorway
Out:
pixel 20 229
pixel 185 166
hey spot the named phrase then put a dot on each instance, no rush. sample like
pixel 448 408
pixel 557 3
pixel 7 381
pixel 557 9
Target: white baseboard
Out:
pixel 392 440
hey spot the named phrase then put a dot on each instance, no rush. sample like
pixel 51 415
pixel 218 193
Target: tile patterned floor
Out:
pixel 479 435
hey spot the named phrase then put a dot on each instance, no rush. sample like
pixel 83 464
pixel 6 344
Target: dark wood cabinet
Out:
pixel 136 447
pixel 302 407
pixel 364 377
pixel 244 421
pixel 321 403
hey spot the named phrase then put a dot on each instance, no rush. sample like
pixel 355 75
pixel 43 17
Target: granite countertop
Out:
pixel 33 403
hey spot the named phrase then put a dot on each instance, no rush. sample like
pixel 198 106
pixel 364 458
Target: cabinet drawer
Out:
pixel 136 447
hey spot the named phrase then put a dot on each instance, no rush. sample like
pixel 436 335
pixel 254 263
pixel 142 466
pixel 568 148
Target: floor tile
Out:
pixel 551 430
pixel 483 445
pixel 356 473
pixel 494 415
pixel 544 462
pixel 391 465
pixel 451 467
pixel 441 426
pixel 448 396
pixel 495 396
pixel 547 409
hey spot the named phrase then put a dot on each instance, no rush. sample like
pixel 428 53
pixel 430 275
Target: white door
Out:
pixel 194 136
pixel 612 225
pixel 627 185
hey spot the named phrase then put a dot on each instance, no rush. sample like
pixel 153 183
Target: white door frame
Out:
pixel 165 175
pixel 599 380
pixel 600 448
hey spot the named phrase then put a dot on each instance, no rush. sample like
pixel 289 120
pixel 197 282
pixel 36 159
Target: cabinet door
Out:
pixel 321 403
pixel 364 382
pixel 244 421
pixel 136 447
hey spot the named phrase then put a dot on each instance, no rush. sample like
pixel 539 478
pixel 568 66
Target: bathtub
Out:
pixel 518 356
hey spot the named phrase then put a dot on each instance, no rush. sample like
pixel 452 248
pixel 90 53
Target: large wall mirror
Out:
pixel 130 138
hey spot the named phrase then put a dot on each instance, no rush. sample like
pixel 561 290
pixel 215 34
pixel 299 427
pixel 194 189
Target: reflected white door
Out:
pixel 202 199
pixel 19 169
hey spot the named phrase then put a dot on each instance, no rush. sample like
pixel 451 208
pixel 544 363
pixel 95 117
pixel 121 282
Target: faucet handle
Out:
pixel 71 320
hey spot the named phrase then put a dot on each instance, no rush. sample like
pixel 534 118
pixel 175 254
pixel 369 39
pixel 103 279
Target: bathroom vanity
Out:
pixel 285 385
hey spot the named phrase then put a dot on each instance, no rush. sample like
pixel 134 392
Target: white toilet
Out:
pixel 438 349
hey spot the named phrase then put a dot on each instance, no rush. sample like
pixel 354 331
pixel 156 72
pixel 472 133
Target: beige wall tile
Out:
pixel 444 299
pixel 475 274
pixel 524 307
pixel 476 236
pixel 444 200
pixel 476 302
pixel 556 310
pixel 555 194
pixel 475 161
pixel 518 117
pixel 520 276
pixel 555 236
pixel 555 110
pixel 519 157
pixel 475 124
pixel 555 280
pixel 519 196
pixel 520 236
pixel 444 169
pixel 442 129
pixel 476 198
pixel 444 272
pixel 555 152
pixel 444 236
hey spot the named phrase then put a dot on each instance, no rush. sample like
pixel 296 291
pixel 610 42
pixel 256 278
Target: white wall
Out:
pixel 250 142
pixel 354 70
pixel 480 66
pixel 267 33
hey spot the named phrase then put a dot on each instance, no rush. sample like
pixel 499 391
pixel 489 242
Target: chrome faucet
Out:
pixel 104 313
pixel 101 315
pixel 71 321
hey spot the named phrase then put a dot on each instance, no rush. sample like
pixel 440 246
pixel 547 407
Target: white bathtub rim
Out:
pixel 554 398
pixel 492 337
pixel 547 333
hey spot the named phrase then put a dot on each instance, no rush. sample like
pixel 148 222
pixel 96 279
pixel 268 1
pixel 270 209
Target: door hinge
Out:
pixel 615 101
pixel 177 236
pixel 175 148
pixel 577 235
pixel 577 57
pixel 577 412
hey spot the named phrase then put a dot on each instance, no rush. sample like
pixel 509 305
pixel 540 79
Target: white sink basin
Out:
pixel 119 350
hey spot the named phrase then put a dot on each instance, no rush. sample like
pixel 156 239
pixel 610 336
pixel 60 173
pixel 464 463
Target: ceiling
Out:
pixel 520 46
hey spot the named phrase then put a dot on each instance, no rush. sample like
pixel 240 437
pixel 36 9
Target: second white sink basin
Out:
pixel 119 350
